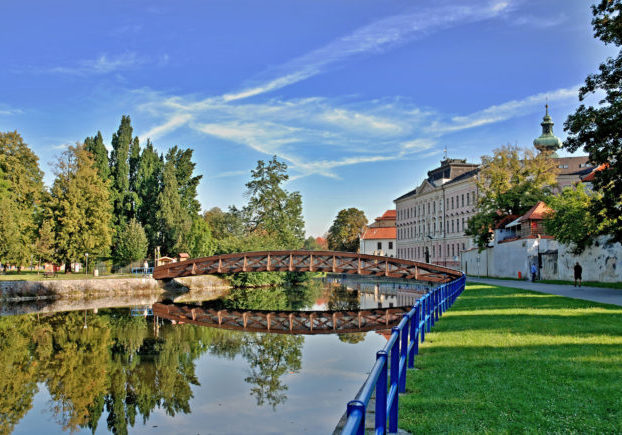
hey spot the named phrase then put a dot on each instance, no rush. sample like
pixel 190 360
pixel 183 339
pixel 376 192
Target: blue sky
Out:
pixel 359 97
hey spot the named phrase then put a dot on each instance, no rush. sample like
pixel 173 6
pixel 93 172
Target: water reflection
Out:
pixel 120 368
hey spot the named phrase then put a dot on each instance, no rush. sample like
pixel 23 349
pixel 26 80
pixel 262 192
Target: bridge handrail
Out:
pixel 398 355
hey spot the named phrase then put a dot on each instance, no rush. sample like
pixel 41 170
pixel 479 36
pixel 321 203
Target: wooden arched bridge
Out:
pixel 308 261
pixel 284 322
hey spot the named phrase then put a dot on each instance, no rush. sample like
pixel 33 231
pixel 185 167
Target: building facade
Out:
pixel 379 238
pixel 432 219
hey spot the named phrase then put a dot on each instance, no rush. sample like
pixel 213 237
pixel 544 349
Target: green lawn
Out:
pixel 615 285
pixel 509 360
pixel 32 276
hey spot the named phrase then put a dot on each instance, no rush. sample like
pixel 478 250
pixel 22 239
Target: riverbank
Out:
pixel 17 291
pixel 511 360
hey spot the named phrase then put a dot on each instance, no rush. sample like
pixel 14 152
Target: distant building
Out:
pixel 379 237
pixel 432 218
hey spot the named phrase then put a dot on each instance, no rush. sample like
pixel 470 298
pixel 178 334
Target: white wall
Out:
pixel 600 263
pixel 370 247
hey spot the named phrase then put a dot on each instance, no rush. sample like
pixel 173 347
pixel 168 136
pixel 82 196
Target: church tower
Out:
pixel 547 143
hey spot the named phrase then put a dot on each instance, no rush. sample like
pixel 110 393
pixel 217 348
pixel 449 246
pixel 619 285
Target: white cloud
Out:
pixel 376 37
pixel 173 123
pixel 104 64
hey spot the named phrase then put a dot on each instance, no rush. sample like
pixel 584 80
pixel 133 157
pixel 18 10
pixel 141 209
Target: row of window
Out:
pixel 451 226
pixel 452 203
pixel 418 252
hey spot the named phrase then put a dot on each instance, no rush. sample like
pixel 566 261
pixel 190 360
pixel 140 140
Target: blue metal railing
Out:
pixel 388 376
pixel 142 270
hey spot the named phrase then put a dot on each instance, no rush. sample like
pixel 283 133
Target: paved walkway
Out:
pixel 596 294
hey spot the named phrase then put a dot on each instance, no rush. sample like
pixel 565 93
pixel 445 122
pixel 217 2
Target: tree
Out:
pixel 132 243
pixel 511 181
pixel 120 170
pixel 44 248
pixel 173 221
pixel 20 206
pixel 272 209
pixel 224 224
pixel 572 221
pixel 79 208
pixel 95 145
pixel 198 241
pixel 187 184
pixel 597 129
pixel 148 186
pixel 343 234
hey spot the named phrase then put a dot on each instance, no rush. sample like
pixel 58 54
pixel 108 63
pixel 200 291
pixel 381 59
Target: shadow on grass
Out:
pixel 518 372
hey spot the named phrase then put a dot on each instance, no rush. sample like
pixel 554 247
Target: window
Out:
pixel 434 207
pixel 457 225
pixel 468 203
pixel 463 246
pixel 453 253
pixel 452 202
pixel 379 245
pixel 462 200
pixel 428 208
pixel 433 251
pixel 463 224
pixel 452 226
pixel 562 166
pixel 390 245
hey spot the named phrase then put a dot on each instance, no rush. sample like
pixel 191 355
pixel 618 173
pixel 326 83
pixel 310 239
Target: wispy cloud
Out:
pixel 541 22
pixel 6 110
pixel 376 37
pixel 104 64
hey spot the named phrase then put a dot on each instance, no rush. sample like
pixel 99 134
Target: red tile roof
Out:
pixel 537 212
pixel 389 214
pixel 380 233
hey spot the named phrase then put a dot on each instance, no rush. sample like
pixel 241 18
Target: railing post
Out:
pixel 404 353
pixel 357 406
pixel 414 343
pixel 381 392
pixel 422 319
pixel 395 370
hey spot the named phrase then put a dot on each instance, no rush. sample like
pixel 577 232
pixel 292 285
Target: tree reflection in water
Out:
pixel 118 366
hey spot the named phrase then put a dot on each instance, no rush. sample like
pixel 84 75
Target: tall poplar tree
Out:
pixel 120 170
pixel 134 161
pixel 95 145
pixel 186 182
pixel 79 208
pixel 148 186
pixel 173 221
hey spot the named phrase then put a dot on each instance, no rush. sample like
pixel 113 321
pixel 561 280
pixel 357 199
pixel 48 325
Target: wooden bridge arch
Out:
pixel 308 261
pixel 284 322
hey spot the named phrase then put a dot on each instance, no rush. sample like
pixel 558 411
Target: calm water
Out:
pixel 112 370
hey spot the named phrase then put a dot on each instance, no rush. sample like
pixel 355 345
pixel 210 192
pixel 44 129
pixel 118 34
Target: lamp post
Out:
pixel 86 270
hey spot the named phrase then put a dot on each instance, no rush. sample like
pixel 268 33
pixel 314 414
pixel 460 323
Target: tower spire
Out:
pixel 547 142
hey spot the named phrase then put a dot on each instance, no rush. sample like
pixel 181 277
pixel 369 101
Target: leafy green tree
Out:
pixel 79 208
pixel 22 182
pixel 224 225
pixel 311 244
pixel 120 170
pixel 186 182
pixel 44 248
pixel 173 221
pixel 148 186
pixel 95 145
pixel 198 240
pixel 511 181
pixel 572 221
pixel 271 209
pixel 597 129
pixel 132 243
pixel 343 234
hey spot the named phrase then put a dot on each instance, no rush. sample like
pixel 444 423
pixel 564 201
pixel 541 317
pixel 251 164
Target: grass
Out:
pixel 509 360
pixel 32 276
pixel 615 285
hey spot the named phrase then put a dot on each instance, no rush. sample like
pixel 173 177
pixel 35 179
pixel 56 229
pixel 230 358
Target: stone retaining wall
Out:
pixel 57 288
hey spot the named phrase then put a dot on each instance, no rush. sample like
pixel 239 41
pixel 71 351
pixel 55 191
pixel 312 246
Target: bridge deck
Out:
pixel 308 261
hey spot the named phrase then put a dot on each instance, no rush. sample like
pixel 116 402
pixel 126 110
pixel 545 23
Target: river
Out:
pixel 124 370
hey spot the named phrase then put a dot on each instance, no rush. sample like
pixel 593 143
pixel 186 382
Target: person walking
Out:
pixel 578 270
pixel 534 271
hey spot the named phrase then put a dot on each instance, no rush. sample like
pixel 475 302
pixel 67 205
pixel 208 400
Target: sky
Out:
pixel 360 98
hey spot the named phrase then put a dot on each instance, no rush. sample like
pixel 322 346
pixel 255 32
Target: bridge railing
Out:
pixel 388 375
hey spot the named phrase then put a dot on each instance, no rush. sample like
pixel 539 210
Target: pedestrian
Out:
pixel 534 271
pixel 578 270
